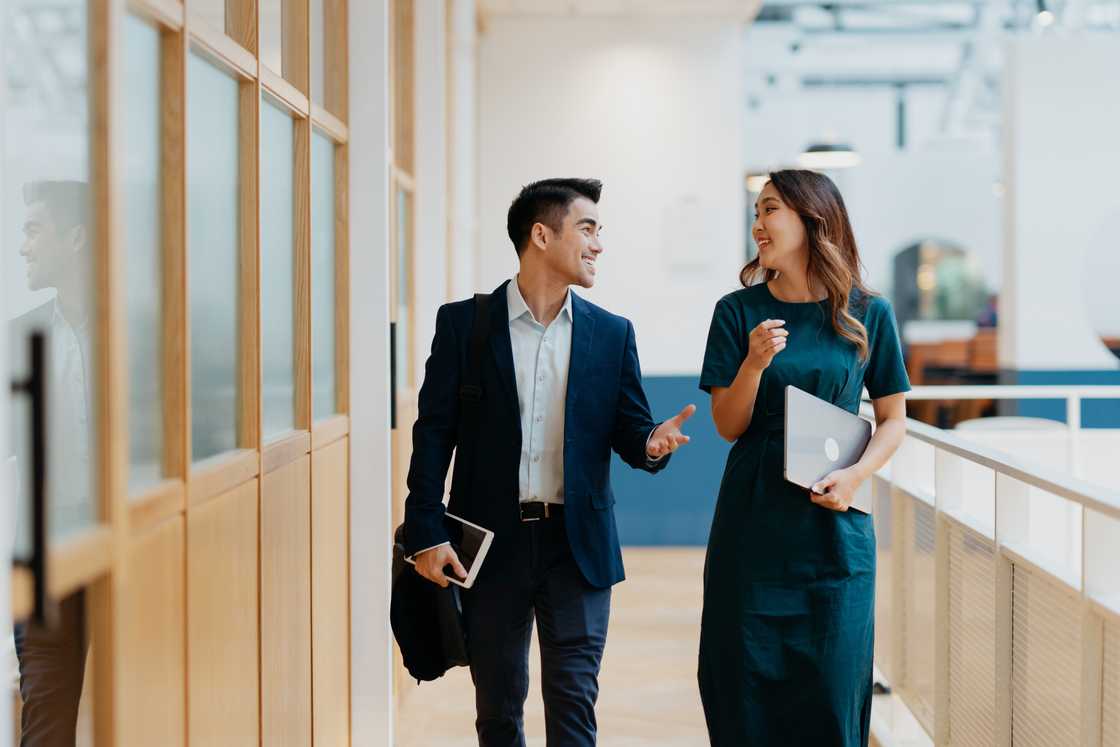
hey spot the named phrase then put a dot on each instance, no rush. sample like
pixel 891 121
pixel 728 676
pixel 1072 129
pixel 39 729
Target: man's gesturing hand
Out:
pixel 667 436
pixel 431 563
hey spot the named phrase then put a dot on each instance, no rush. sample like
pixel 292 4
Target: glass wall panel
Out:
pixel 143 241
pixel 277 269
pixel 49 255
pixel 213 227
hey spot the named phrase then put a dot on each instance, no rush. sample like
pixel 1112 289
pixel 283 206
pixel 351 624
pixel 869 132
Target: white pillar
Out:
pixel 1061 157
pixel 430 246
pixel 463 176
pixel 371 660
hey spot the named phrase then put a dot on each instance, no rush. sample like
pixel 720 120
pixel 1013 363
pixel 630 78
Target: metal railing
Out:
pixel 1073 396
pixel 998 588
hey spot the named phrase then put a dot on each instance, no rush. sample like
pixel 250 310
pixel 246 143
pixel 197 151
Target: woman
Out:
pixel 789 584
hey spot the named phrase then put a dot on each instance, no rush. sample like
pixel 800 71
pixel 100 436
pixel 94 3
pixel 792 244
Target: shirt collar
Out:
pixel 58 320
pixel 518 307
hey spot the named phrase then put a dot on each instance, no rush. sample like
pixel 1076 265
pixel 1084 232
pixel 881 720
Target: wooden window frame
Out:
pixel 323 428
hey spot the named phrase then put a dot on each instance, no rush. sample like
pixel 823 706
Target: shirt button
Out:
pixel 539 418
pixel 536 459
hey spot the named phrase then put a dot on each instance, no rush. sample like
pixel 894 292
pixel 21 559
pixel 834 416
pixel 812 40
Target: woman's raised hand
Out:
pixel 767 340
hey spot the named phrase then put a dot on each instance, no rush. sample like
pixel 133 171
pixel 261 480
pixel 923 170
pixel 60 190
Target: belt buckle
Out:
pixel 547 513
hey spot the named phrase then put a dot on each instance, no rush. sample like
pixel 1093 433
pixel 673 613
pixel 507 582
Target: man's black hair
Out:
pixel 67 201
pixel 547 202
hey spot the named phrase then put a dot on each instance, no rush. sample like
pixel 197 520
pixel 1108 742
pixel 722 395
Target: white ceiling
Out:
pixel 739 9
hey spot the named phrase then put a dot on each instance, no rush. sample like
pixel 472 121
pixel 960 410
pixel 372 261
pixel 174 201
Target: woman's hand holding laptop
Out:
pixel 838 488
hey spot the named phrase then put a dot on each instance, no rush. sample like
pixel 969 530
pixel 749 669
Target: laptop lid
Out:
pixel 820 438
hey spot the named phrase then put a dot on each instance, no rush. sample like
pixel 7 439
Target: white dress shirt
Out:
pixel 541 356
pixel 70 414
pixel 69 476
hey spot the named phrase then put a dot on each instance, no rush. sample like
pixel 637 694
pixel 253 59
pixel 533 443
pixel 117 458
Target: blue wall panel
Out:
pixel 1095 413
pixel 675 506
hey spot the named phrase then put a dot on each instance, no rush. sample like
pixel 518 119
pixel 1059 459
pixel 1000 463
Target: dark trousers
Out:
pixel 542 581
pixel 52 665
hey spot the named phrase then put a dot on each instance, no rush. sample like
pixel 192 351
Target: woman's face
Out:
pixel 779 232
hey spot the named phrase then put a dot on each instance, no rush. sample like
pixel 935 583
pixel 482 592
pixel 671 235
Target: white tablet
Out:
pixel 470 542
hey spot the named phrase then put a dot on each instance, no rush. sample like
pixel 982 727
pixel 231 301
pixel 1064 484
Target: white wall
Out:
pixel 936 187
pixel 371 686
pixel 898 199
pixel 651 106
pixel 1062 155
pixel 8 663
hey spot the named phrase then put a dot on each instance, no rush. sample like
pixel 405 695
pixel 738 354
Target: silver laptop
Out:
pixel 820 438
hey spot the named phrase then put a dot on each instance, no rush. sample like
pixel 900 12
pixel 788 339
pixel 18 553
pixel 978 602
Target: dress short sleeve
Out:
pixel 886 370
pixel 727 346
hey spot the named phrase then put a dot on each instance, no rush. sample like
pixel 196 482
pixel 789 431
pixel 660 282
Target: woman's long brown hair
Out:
pixel 833 255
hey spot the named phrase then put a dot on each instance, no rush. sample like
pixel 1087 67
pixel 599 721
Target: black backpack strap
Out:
pixel 470 388
pixel 471 395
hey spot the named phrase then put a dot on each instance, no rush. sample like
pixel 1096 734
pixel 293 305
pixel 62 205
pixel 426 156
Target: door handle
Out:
pixel 34 386
pixel 392 376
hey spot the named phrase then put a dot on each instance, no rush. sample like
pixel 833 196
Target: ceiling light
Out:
pixel 828 156
pixel 755 182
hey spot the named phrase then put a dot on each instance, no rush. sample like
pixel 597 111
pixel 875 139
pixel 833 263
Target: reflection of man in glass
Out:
pixel 56 249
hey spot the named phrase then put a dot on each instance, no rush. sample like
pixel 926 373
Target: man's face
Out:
pixel 572 252
pixel 44 248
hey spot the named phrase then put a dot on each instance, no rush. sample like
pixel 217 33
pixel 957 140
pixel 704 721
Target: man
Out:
pixel 56 249
pixel 561 389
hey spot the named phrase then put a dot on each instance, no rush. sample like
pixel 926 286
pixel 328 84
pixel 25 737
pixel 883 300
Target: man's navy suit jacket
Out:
pixel 605 409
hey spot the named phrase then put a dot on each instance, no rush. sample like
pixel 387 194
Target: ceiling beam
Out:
pixel 867 81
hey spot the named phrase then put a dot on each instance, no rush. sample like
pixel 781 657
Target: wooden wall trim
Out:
pixel 155 505
pixel 167 13
pixel 284 451
pixel 302 234
pixel 285 92
pixel 85 557
pixel 295 43
pixel 329 430
pixel 222 49
pixel 330 124
pixel 222 474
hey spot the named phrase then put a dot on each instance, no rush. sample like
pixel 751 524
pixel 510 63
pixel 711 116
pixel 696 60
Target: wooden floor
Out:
pixel 648 693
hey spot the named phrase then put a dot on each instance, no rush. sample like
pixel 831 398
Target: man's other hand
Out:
pixel 431 564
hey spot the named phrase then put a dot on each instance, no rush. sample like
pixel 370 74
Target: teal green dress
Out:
pixel 789 586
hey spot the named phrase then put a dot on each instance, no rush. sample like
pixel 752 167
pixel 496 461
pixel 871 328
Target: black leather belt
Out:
pixel 537 510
